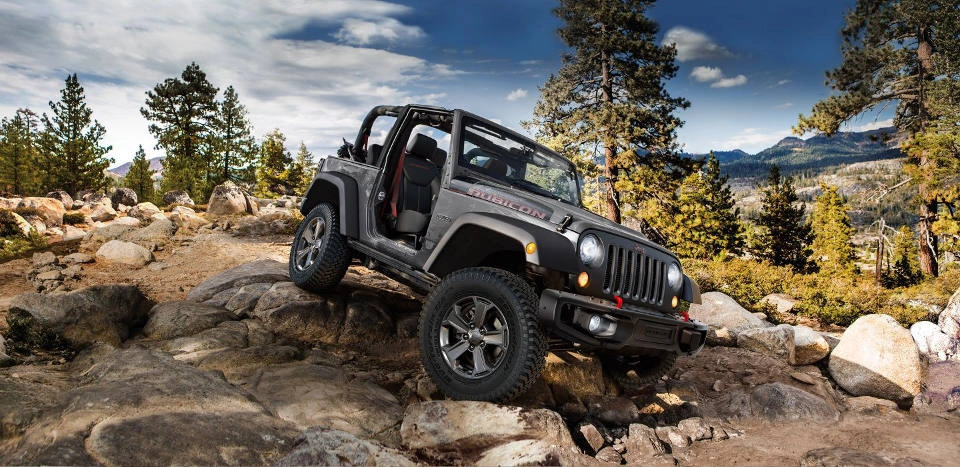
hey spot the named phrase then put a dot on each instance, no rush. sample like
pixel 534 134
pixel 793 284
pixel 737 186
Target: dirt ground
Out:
pixel 185 262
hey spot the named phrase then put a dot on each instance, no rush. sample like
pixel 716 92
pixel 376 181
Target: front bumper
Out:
pixel 638 329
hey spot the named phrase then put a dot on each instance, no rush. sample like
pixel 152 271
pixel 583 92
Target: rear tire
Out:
pixel 480 338
pixel 319 255
pixel 634 372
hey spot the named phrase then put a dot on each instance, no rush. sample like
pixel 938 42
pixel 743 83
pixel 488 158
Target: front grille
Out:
pixel 633 276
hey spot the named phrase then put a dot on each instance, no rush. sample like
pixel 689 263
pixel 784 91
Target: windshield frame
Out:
pixel 478 125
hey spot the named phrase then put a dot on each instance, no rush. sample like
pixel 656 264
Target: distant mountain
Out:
pixel 813 155
pixel 156 165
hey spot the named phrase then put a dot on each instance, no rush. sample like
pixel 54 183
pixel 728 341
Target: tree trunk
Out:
pixel 928 241
pixel 610 151
pixel 928 208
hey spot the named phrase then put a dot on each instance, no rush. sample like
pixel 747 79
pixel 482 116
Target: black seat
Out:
pixel 418 185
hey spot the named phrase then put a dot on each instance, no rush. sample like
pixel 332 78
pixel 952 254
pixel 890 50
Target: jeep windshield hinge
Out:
pixel 564 223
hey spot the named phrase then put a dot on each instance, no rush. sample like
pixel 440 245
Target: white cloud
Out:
pixel 782 82
pixel 313 90
pixel 705 74
pixel 874 125
pixel 692 44
pixel 752 140
pixel 738 80
pixel 382 31
pixel 785 105
pixel 517 94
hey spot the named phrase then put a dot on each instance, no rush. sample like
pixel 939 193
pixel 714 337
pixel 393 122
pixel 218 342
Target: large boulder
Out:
pixel 778 402
pixel 777 341
pixel 51 210
pixel 177 197
pixel 184 217
pixel 144 211
pixel 124 196
pixel 809 346
pixel 720 311
pixel 877 357
pixel 102 213
pixel 9 204
pixel 117 251
pixel 260 271
pixel 781 301
pixel 5 359
pixel 102 313
pixel 316 395
pixel 63 196
pixel 158 232
pixel 12 223
pixel 229 199
pixel 949 319
pixel 932 342
pixel 178 319
pixel 326 446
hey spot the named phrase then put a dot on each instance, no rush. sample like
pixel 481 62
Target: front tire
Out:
pixel 479 335
pixel 634 372
pixel 319 255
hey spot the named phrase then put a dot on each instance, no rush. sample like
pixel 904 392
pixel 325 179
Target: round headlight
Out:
pixel 674 276
pixel 591 252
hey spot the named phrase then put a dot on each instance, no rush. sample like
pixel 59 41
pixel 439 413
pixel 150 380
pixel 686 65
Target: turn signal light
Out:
pixel 675 302
pixel 583 279
pixel 531 248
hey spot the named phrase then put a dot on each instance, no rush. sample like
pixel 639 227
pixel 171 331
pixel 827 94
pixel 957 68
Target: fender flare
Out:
pixel 553 251
pixel 340 189
pixel 691 291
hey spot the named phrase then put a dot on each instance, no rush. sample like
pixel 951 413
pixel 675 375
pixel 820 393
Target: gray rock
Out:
pixel 102 213
pixel 613 410
pixel 932 342
pixel 228 199
pixel 695 428
pixel 783 302
pixel 117 251
pixel 102 313
pixel 104 234
pixel 46 258
pixel 673 437
pixel 721 337
pixel 326 446
pixel 54 275
pixel 315 395
pixel 186 218
pixel 72 272
pixel 592 436
pixel 62 196
pixel 144 211
pixel 642 444
pixel 226 335
pixel 51 210
pixel 5 360
pixel 178 319
pixel 158 232
pixel 77 258
pixel 246 297
pixel 777 342
pixel 870 405
pixel 809 346
pixel 720 311
pixel 609 455
pixel 876 357
pixel 452 425
pixel 259 271
pixel 949 319
pixel 177 197
pixel 124 196
pixel 777 402
pixel 71 233
pixel 366 318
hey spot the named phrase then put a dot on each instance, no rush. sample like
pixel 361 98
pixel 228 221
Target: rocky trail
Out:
pixel 202 352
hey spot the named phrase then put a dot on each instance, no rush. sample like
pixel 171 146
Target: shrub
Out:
pixel 15 246
pixel 8 225
pixel 74 218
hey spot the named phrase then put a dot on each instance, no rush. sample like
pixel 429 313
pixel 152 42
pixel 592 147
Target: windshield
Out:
pixel 495 154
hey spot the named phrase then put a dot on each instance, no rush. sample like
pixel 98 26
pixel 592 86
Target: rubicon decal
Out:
pixel 515 205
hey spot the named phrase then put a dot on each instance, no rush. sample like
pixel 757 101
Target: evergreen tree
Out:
pixel 183 111
pixel 895 51
pixel 273 175
pixel 906 266
pixel 140 178
pixel 706 223
pixel 607 109
pixel 19 155
pixel 832 233
pixel 235 146
pixel 303 170
pixel 71 143
pixel 782 238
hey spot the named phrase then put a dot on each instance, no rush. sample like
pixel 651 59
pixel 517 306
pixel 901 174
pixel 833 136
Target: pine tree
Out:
pixel 140 178
pixel 235 146
pixel 183 111
pixel 71 143
pixel 895 51
pixel 832 233
pixel 782 237
pixel 906 266
pixel 303 170
pixel 273 176
pixel 607 109
pixel 707 223
pixel 19 156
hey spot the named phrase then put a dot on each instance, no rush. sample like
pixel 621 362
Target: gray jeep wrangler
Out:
pixel 491 225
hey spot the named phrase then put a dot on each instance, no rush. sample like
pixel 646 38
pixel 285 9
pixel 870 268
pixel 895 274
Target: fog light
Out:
pixel 583 279
pixel 531 248
pixel 675 302
pixel 600 326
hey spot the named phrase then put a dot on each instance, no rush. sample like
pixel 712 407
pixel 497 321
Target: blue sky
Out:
pixel 312 68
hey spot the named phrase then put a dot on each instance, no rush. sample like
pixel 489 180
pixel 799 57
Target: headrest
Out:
pixel 496 167
pixel 421 145
pixel 439 157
